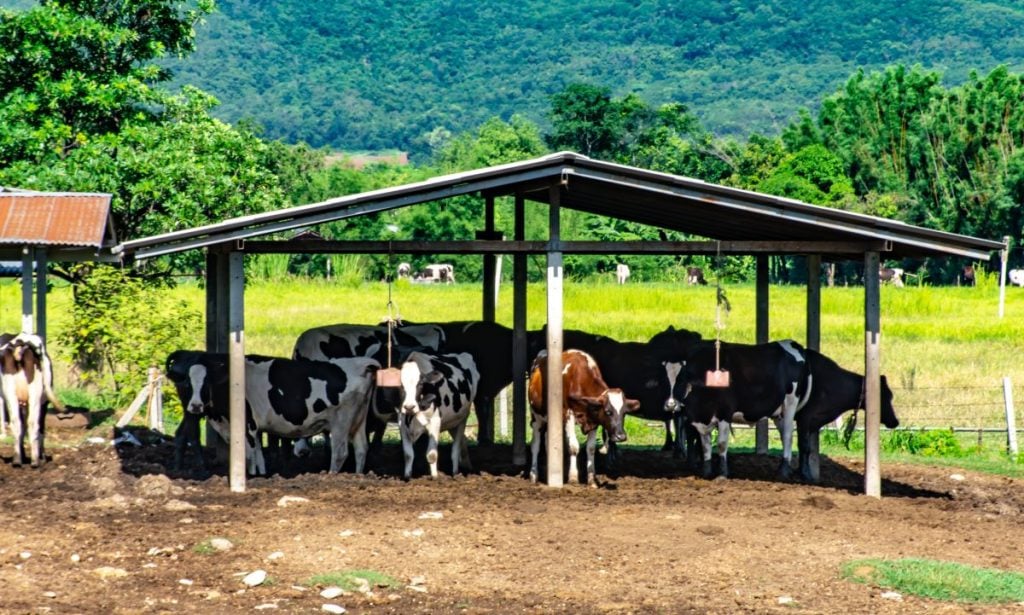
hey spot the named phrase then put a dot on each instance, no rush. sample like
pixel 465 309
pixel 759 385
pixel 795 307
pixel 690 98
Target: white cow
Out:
pixel 1016 277
pixel 27 384
pixel 621 273
pixel 440 272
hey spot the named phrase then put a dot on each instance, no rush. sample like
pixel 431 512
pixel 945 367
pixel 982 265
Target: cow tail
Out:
pixel 849 425
pixel 47 369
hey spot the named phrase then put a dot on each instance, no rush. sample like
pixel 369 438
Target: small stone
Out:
pixel 431 515
pixel 276 555
pixel 95 440
pixel 49 594
pixel 109 572
pixel 333 608
pixel 75 558
pixel 957 477
pixel 892 596
pixel 346 533
pixel 221 544
pixel 417 580
pixel 178 506
pixel 417 588
pixel 186 520
pixel 265 606
pixel 785 600
pixel 287 500
pixel 332 592
pixel 416 533
pixel 185 581
pixel 25 554
pixel 254 578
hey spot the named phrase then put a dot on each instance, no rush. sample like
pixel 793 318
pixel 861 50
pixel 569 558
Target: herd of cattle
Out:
pixel 329 387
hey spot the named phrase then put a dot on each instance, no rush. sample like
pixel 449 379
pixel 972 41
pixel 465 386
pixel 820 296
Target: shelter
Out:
pixel 736 221
pixel 39 227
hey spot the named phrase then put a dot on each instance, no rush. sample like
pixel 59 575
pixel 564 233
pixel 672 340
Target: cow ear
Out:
pixel 632 405
pixel 592 403
pixel 433 377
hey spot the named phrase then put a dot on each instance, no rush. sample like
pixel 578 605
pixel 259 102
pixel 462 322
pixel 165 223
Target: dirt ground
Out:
pixel 105 529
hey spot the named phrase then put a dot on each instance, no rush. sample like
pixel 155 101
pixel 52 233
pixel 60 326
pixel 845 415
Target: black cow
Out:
pixel 835 391
pixel 695 275
pixel 637 368
pixel 287 397
pixel 766 380
pixel 437 393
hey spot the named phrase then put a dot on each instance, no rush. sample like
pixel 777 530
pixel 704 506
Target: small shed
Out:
pixel 733 221
pixel 39 227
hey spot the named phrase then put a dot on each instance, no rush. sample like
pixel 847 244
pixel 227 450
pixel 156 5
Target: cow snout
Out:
pixel 195 408
pixel 408 408
pixel 620 436
pixel 671 405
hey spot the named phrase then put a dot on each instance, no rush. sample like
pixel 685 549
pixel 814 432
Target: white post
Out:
pixel 553 376
pixel 1011 420
pixel 27 259
pixel 872 377
pixel 155 408
pixel 503 412
pixel 497 278
pixel 236 371
pixel 1003 255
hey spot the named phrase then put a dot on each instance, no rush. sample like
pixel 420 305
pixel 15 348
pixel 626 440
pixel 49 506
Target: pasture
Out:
pixel 111 529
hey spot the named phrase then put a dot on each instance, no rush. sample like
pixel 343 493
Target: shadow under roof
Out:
pixel 658 199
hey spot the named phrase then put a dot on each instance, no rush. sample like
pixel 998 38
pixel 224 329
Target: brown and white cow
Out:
pixel 695 275
pixel 26 377
pixel 587 402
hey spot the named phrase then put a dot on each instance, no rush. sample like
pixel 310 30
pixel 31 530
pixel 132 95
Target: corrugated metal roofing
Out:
pixel 629 193
pixel 54 219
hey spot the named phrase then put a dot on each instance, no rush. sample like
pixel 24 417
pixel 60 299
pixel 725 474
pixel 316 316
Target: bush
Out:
pixel 931 443
pixel 120 326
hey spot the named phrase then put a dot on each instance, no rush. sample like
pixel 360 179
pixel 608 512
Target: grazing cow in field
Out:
pixel 441 273
pixel 404 270
pixel 766 380
pixel 637 368
pixel 695 275
pixel 26 379
pixel 437 393
pixel 835 391
pixel 891 274
pixel 1016 277
pixel 587 402
pixel 621 273
pixel 967 275
pixel 285 397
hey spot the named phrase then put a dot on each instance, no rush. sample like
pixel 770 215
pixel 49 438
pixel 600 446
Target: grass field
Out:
pixel 944 350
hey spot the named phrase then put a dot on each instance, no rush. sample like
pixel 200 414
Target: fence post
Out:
pixel 155 409
pixel 1011 421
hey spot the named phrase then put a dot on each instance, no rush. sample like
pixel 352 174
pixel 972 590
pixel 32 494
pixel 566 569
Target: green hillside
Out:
pixel 363 74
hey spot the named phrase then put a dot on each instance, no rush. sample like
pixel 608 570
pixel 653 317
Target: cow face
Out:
pixel 195 380
pixel 419 391
pixel 888 413
pixel 609 410
pixel 676 386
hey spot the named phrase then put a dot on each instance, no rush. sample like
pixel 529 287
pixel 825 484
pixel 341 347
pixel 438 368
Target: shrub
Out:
pixel 930 443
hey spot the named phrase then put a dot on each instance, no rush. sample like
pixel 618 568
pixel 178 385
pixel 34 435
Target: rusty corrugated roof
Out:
pixel 54 219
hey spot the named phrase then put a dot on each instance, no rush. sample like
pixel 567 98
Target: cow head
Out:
pixel 196 377
pixel 676 386
pixel 609 411
pixel 888 413
pixel 420 392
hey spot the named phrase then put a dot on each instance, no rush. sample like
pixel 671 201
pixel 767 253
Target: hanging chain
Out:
pixel 718 303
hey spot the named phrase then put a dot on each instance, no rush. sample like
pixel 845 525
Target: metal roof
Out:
pixel 65 221
pixel 659 199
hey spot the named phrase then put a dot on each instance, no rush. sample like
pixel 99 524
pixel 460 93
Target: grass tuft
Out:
pixel 946 581
pixel 348 579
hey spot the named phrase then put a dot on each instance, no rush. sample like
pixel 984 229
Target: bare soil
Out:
pixel 104 529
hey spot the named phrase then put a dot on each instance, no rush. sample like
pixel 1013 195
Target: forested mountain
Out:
pixel 365 74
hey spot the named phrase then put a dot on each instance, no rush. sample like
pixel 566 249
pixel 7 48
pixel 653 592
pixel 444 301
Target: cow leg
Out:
pixel 574 446
pixel 667 446
pixel 810 459
pixel 403 430
pixel 254 450
pixel 459 450
pixel 679 446
pixel 591 451
pixel 693 445
pixel 360 446
pixel 18 432
pixel 485 421
pixel 339 447
pixel 537 424
pixel 35 428
pixel 433 435
pixel 723 448
pixel 704 431
pixel 785 427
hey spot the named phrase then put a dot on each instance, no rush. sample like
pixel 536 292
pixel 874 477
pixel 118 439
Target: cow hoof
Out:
pixel 666 447
pixel 533 478
pixel 706 470
pixel 785 470
pixel 721 477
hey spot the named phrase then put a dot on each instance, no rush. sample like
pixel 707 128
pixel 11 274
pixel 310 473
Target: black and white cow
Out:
pixel 695 275
pixel 766 380
pixel 26 379
pixel 438 391
pixel 835 391
pixel 286 397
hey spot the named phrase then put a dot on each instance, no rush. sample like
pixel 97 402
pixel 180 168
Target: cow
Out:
pixel 891 274
pixel 442 272
pixel 341 341
pixel 437 394
pixel 292 398
pixel 835 391
pixel 695 275
pixel 637 368
pixel 1015 277
pixel 766 380
pixel 967 276
pixel 404 270
pixel 26 379
pixel 587 402
pixel 621 273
